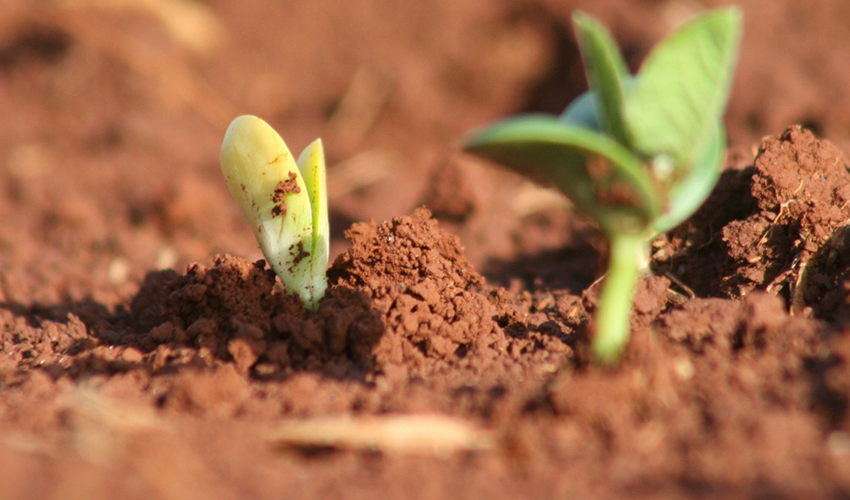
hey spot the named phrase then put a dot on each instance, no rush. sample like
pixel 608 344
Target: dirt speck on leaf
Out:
pixel 282 189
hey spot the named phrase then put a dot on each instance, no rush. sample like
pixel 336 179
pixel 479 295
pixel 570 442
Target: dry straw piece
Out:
pixel 398 434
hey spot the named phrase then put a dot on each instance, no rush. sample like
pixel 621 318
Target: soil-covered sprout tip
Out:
pixel 284 201
pixel 637 154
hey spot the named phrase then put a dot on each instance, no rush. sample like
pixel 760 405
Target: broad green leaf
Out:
pixel 682 88
pixel 254 160
pixel 602 178
pixel 311 163
pixel 606 71
pixel 688 193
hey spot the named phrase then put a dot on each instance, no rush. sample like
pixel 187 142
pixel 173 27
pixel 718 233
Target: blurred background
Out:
pixel 113 112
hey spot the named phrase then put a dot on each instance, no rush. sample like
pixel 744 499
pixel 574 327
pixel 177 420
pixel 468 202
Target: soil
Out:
pixel 147 350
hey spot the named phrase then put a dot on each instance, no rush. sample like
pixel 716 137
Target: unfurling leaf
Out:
pixel 606 74
pixel 287 211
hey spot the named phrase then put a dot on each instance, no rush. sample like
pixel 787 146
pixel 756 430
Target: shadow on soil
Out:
pixel 233 312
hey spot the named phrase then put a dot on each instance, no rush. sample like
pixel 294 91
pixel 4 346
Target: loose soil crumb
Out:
pixel 284 188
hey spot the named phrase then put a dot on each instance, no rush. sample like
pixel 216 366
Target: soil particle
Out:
pixel 825 287
pixel 284 188
pixel 245 353
pixel 299 254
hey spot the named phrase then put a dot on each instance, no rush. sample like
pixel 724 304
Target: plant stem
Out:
pixel 628 257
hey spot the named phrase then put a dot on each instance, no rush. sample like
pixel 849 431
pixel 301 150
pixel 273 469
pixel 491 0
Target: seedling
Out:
pixel 285 202
pixel 637 154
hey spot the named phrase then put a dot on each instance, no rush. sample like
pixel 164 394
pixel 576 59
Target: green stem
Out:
pixel 628 257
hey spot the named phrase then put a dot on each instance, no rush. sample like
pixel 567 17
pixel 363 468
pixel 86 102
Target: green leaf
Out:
pixel 688 193
pixel 311 163
pixel 606 71
pixel 603 179
pixel 682 88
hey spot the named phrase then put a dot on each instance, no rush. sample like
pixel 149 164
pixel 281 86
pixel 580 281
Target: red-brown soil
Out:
pixel 147 351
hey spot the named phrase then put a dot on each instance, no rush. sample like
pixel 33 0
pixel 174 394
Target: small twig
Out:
pixel 782 207
pixel 783 276
pixel 690 293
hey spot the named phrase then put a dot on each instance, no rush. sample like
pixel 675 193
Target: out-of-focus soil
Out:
pixel 147 351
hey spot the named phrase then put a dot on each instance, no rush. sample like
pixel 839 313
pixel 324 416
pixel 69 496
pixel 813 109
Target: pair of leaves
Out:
pixel 680 92
pixel 659 132
pixel 292 225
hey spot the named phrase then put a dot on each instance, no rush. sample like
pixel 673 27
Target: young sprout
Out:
pixel 285 202
pixel 637 154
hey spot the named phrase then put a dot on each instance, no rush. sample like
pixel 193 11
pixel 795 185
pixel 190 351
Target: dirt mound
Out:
pixel 765 221
pixel 803 190
pixel 234 310
pixel 426 291
pixel 403 299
